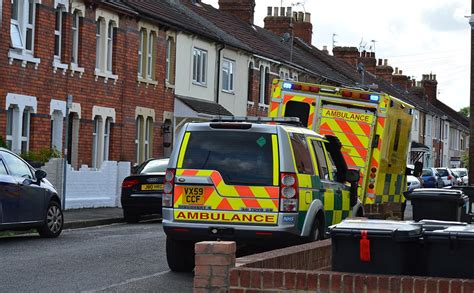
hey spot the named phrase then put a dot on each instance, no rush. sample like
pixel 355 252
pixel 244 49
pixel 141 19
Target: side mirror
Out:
pixel 418 169
pixel 352 175
pixel 40 175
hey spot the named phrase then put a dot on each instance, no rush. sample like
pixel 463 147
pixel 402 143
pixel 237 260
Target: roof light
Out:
pixel 287 85
pixel 374 98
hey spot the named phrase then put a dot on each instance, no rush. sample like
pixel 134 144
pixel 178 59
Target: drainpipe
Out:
pixel 218 80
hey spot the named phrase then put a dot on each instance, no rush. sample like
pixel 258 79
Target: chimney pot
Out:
pixel 288 11
pixel 275 11
pixel 434 76
pixel 385 62
pixel 401 73
pixel 269 11
pixel 300 16
pixel 295 15
pixel 325 48
pixel 282 11
pixel 396 70
pixel 307 17
pixel 380 62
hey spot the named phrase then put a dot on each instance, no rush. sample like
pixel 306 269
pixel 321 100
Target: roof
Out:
pixel 204 107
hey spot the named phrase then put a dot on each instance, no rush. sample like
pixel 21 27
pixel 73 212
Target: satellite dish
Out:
pixel 286 37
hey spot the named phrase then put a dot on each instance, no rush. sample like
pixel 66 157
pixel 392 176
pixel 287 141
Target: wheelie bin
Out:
pixel 468 214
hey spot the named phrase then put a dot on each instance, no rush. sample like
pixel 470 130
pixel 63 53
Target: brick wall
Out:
pixel 45 84
pixel 301 268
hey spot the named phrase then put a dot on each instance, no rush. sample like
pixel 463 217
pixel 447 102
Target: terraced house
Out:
pixel 138 70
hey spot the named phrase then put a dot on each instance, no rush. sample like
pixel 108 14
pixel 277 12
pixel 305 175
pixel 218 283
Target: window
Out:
pixel 266 84
pixel 95 142
pixel 141 48
pixel 321 159
pixel 250 84
pixel 301 154
pixel 75 38
pixel 3 170
pixel 261 86
pixel 199 66
pixel 58 33
pixel 106 139
pixel 56 130
pixel 9 137
pixel 149 60
pixel 228 75
pixel 22 25
pixel 138 138
pixel 98 37
pixel 110 42
pixel 17 167
pixel 397 135
pixel 148 137
pixel 169 45
pixel 25 131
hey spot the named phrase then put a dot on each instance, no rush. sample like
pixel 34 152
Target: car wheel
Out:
pixel 180 255
pixel 316 231
pixel 130 217
pixel 53 222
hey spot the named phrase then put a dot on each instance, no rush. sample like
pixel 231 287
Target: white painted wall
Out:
pixel 89 188
pixel 236 102
pixel 415 128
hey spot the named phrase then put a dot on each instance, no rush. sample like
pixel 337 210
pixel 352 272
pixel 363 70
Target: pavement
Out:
pixel 81 218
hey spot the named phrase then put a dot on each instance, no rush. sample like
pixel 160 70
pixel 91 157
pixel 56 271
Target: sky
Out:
pixel 417 36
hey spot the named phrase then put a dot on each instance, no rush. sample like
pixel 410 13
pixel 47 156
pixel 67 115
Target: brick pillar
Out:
pixel 214 259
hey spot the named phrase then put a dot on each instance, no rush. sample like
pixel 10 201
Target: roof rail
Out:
pixel 256 119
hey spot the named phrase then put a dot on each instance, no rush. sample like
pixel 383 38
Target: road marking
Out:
pixel 128 282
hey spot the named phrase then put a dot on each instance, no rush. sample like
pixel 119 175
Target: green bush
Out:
pixel 41 156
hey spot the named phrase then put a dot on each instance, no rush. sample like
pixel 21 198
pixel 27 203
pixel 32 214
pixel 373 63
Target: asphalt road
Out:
pixel 114 258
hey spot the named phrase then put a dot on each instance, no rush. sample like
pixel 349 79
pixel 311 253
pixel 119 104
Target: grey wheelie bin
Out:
pixel 468 214
pixel 375 246
pixel 437 204
pixel 449 252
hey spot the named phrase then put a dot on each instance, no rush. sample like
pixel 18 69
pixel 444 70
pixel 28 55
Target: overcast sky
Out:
pixel 418 37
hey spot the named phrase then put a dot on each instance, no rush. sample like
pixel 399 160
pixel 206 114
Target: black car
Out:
pixel 27 199
pixel 142 191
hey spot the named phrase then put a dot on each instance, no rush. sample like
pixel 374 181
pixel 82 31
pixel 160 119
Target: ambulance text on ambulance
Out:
pixel 225 217
pixel 347 115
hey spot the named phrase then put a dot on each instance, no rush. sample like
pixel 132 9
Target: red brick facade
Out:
pixel 89 90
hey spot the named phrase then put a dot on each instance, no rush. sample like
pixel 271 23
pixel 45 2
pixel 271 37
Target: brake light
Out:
pixel 168 188
pixel 129 183
pixel 450 177
pixel 288 192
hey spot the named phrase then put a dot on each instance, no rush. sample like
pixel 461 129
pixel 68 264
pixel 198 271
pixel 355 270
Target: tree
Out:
pixel 465 112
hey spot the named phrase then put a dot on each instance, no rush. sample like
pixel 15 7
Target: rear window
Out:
pixel 442 172
pixel 155 166
pixel 427 172
pixel 242 158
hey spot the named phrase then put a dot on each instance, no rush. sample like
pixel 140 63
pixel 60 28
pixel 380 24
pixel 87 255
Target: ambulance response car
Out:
pixel 374 129
pixel 245 180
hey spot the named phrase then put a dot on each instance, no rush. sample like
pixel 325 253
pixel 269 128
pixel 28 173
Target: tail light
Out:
pixel 129 183
pixel 450 177
pixel 288 192
pixel 168 188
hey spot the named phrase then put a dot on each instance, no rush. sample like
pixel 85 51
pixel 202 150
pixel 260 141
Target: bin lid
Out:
pixel 397 229
pixel 431 225
pixel 466 232
pixel 438 194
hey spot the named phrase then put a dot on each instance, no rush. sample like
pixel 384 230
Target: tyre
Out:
pixel 180 255
pixel 317 232
pixel 130 217
pixel 53 222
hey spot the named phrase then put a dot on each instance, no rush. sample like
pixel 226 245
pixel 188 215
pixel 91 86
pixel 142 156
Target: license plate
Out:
pixel 193 195
pixel 148 187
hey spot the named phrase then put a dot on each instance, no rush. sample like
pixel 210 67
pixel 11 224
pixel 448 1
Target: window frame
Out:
pixel 106 144
pixel 109 47
pixel 9 125
pixel 25 130
pixel 261 89
pixel 169 43
pixel 95 141
pixel 58 30
pixel 199 73
pixel 98 43
pixel 22 26
pixel 141 52
pixel 75 37
pixel 149 56
pixel 228 72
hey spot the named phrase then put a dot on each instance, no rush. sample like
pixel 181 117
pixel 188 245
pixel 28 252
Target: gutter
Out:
pixel 218 79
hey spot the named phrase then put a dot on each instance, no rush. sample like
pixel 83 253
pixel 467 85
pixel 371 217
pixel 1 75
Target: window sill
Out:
pixel 105 75
pixel 250 104
pixel 199 84
pixel 228 92
pixel 58 65
pixel 263 106
pixel 74 68
pixel 24 57
pixel 169 85
pixel 147 81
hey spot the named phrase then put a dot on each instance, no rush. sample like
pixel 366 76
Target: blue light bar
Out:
pixel 374 98
pixel 287 85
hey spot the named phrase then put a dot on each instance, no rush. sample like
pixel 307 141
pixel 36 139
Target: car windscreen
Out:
pixel 427 172
pixel 242 158
pixel 462 173
pixel 155 166
pixel 442 172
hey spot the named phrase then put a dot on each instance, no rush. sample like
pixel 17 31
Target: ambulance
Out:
pixel 253 180
pixel 373 127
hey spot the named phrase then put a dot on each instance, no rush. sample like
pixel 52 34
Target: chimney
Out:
pixel 369 61
pixel 284 22
pixel 243 9
pixel 325 50
pixel 384 71
pixel 429 83
pixel 399 80
pixel 346 54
